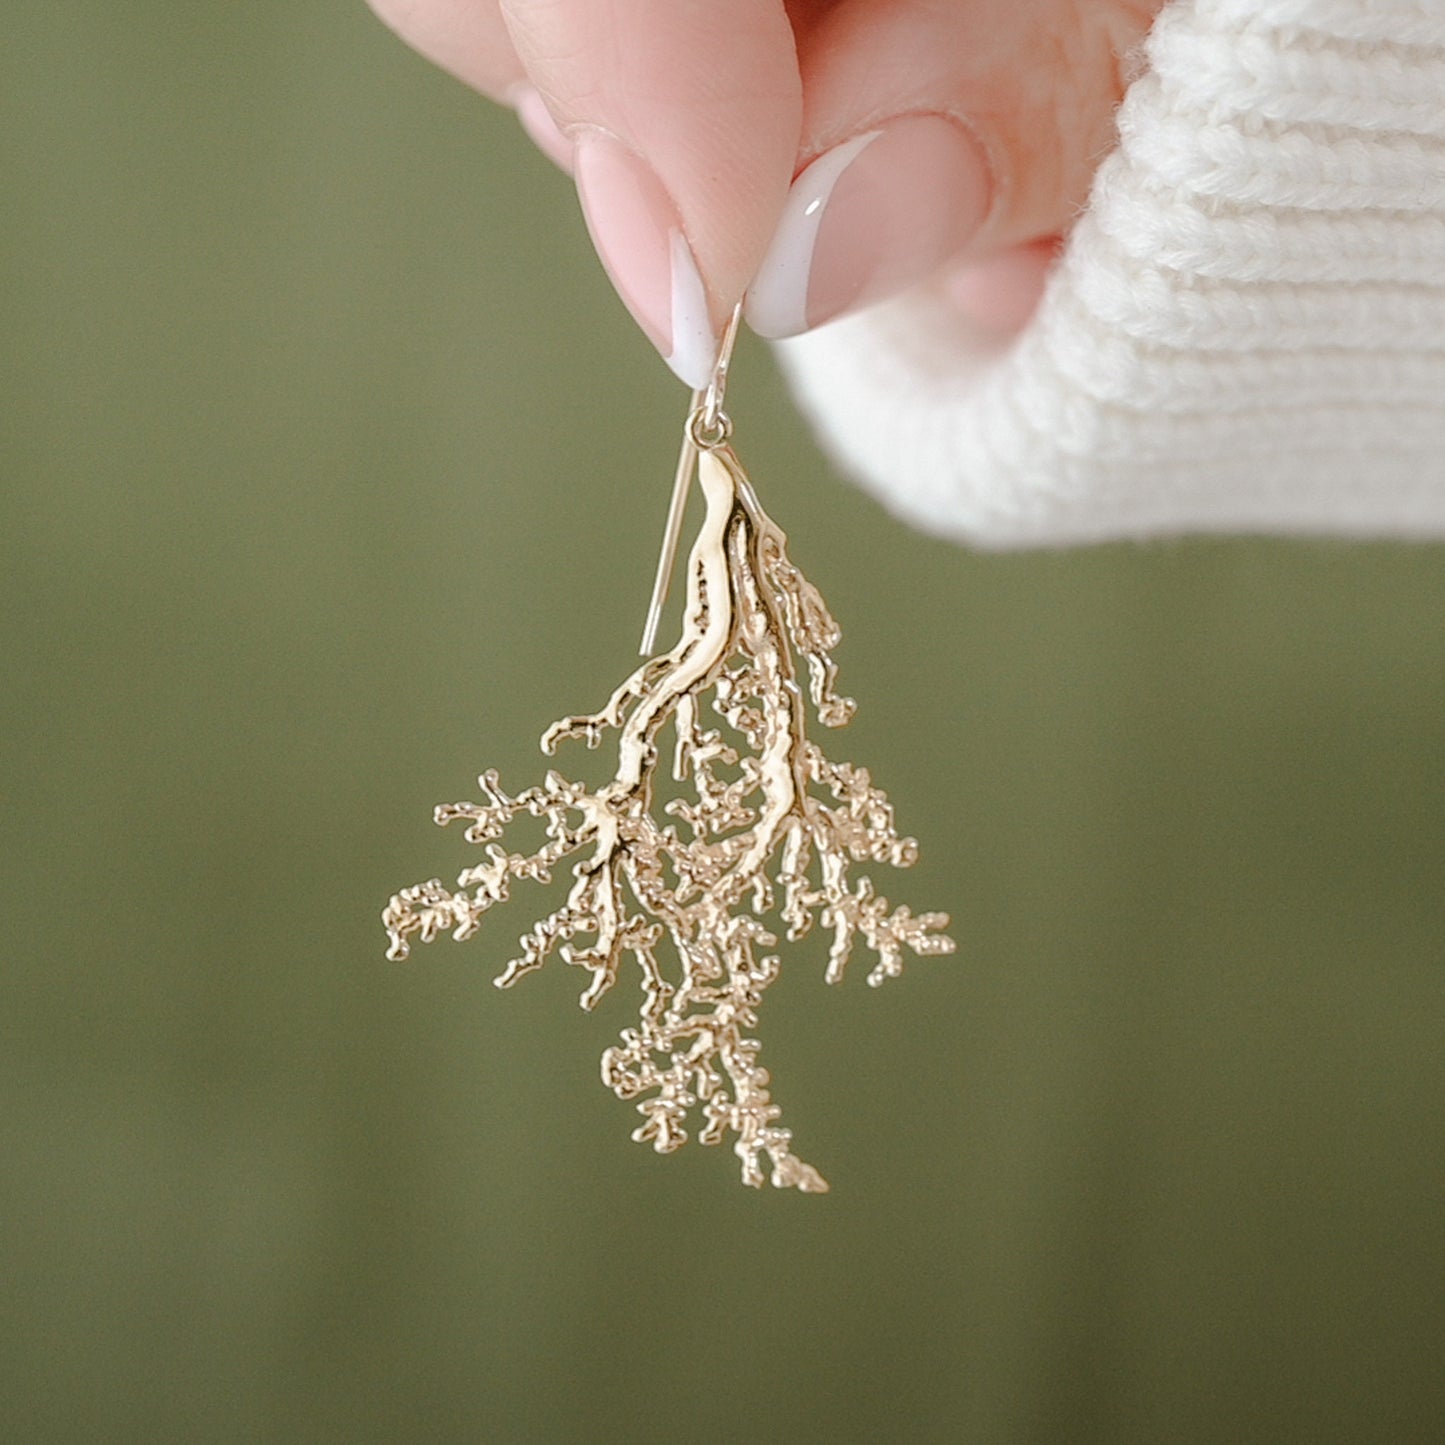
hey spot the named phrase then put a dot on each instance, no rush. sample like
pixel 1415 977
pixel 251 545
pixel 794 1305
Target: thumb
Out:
pixel 685 116
pixel 937 132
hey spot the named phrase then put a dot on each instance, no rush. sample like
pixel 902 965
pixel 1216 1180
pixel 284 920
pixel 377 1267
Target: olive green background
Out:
pixel 332 472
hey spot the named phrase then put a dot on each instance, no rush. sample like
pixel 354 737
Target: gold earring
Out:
pixel 771 827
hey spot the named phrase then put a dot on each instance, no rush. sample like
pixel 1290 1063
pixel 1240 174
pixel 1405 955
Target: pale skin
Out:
pixel 728 102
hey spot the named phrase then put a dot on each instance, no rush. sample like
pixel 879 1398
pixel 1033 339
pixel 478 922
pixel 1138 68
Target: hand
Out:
pixel 817 155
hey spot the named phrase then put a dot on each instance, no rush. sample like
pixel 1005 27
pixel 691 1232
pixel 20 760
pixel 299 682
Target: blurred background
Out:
pixel 330 473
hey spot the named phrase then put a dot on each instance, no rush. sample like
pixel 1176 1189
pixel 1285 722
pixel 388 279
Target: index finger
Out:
pixel 686 116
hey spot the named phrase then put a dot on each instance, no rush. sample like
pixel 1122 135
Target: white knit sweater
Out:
pixel 1246 331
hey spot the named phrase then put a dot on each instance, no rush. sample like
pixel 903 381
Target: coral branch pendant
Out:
pixel 760 839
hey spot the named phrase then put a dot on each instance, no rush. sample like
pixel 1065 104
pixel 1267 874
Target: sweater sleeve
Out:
pixel 1246 330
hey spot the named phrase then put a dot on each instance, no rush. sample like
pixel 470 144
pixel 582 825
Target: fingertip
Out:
pixel 638 233
pixel 1036 85
pixel 686 121
pixel 871 217
pixel 536 120
pixel 999 294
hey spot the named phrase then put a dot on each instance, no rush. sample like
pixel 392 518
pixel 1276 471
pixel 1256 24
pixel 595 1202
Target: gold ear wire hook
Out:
pixel 705 417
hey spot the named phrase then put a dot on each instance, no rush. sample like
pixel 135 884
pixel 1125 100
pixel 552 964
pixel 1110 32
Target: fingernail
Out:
pixel 869 218
pixel 638 233
pixel 541 129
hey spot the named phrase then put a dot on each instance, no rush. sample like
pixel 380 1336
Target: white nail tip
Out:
pixel 777 301
pixel 694 346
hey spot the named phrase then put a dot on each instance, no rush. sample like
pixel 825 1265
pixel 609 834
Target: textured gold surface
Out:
pixel 771 828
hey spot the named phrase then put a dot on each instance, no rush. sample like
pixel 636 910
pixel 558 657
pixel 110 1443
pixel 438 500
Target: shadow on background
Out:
pixel 332 473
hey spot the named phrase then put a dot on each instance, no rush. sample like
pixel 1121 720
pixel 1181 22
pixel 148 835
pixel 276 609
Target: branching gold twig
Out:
pixel 772 829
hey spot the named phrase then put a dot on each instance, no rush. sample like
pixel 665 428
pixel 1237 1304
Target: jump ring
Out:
pixel 708 432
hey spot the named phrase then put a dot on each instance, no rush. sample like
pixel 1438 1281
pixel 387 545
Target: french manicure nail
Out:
pixel 541 129
pixel 869 218
pixel 638 234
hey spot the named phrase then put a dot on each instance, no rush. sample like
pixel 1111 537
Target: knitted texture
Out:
pixel 1246 331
